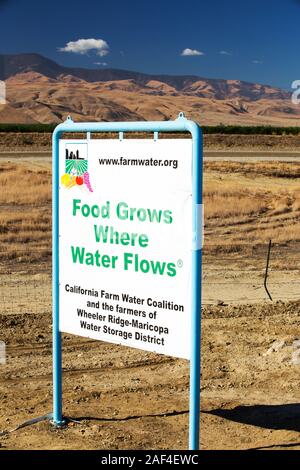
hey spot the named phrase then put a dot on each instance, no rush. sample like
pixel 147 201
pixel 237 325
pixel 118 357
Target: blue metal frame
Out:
pixel 181 124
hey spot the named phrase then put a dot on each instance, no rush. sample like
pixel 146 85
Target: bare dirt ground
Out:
pixel 123 398
pixel 128 399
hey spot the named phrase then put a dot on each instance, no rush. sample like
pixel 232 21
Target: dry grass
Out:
pixel 25 216
pixel 20 185
pixel 223 200
pixel 272 169
pixel 246 205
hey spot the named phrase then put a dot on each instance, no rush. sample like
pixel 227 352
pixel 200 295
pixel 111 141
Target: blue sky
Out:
pixel 257 41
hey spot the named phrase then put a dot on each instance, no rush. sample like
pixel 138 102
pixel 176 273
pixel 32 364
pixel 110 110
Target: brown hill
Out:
pixel 41 90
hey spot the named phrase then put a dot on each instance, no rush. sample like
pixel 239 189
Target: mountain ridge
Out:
pixel 12 64
pixel 40 90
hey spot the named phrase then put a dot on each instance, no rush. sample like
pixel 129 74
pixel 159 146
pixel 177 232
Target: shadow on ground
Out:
pixel 276 417
pixel 265 416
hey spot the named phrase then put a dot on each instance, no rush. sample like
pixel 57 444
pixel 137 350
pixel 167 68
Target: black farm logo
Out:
pixel 76 167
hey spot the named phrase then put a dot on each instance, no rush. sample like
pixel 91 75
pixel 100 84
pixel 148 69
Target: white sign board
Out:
pixel 125 237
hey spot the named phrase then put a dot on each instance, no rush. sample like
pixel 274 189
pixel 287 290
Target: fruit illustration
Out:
pixel 86 179
pixel 72 182
pixel 76 166
pixel 79 180
pixel 65 179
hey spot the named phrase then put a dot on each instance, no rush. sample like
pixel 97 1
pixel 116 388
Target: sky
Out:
pixel 256 41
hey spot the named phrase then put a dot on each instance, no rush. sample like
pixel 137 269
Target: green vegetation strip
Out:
pixel 220 129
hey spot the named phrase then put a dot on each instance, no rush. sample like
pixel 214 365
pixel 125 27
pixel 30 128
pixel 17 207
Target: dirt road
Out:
pixel 229 155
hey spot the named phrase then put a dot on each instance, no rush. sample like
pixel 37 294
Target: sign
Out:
pixel 125 240
pixel 127 244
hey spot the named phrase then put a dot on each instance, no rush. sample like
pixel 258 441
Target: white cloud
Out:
pixel 225 53
pixel 101 63
pixel 83 46
pixel 191 52
pixel 257 62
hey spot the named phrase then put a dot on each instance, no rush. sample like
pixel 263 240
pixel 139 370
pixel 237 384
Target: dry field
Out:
pixel 123 398
pixel 250 203
pixel 247 204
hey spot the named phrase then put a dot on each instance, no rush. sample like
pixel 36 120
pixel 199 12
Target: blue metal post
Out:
pixel 179 125
pixel 195 364
pixel 56 336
